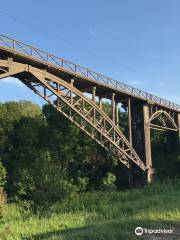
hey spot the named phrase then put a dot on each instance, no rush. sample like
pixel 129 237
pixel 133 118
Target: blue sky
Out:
pixel 134 41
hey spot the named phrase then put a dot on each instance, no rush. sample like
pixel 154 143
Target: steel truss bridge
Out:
pixel 63 84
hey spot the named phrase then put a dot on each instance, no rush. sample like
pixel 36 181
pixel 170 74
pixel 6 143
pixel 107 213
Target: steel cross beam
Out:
pixel 80 110
pixel 49 60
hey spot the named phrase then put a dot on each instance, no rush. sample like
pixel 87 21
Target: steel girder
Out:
pixel 80 110
pixel 26 51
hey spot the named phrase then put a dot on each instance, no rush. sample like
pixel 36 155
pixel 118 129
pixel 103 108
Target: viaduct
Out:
pixel 63 84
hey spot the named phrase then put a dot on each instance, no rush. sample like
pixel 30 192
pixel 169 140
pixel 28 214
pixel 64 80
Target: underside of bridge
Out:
pixel 64 85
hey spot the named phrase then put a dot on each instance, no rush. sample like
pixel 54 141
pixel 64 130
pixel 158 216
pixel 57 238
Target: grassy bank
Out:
pixel 100 215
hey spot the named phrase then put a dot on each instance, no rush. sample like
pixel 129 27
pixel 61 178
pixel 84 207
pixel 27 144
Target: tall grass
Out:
pixel 97 215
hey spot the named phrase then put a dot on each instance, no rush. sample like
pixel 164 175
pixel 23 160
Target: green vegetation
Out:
pixel 59 184
pixel 46 157
pixel 96 215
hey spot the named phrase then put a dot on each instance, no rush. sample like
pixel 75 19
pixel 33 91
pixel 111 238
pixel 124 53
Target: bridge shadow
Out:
pixel 112 230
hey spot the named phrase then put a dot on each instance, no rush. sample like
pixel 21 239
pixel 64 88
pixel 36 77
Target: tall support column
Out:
pixel 138 129
pixel 147 137
pixel 178 125
pixel 113 107
pixel 151 172
pixel 141 139
pixel 94 94
pixel 130 174
pixel 129 121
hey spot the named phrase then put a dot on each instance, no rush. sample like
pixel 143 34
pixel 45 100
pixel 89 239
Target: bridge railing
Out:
pixel 22 48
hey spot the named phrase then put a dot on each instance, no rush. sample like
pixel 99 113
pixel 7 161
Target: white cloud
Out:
pixel 91 32
pixel 12 81
pixel 134 83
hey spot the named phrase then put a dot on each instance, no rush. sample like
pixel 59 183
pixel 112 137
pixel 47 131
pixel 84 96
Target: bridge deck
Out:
pixel 85 78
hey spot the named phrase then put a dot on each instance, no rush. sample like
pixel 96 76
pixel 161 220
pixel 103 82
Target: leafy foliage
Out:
pixel 45 158
pixel 3 175
pixel 109 182
pixel 2 202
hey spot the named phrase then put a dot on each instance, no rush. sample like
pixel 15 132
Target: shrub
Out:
pixel 3 175
pixel 109 182
pixel 24 184
pixel 2 202
pixel 54 192
pixel 82 183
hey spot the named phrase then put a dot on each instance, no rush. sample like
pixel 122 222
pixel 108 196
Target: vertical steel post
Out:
pixel 117 115
pixel 178 125
pixel 129 121
pixel 44 92
pixel 94 100
pixel 71 95
pixel 94 94
pixel 100 103
pixel 113 107
pixel 130 140
pixel 72 82
pixel 57 86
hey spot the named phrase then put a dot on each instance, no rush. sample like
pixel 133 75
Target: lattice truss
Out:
pixel 4 70
pixel 21 49
pixel 163 120
pixel 80 110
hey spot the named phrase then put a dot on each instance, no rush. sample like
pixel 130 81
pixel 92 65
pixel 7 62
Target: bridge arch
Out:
pixel 161 119
pixel 72 103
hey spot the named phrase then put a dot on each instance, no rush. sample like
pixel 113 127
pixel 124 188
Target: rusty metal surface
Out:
pixel 22 49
